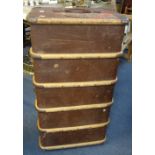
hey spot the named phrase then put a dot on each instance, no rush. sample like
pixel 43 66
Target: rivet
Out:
pixel 56 65
pixel 77 69
pixel 41 16
pixel 104 110
pixel 67 72
pixel 42 11
pixel 97 96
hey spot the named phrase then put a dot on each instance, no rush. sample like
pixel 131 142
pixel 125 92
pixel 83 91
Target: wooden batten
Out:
pixel 73 84
pixel 74 128
pixel 74 21
pixel 71 108
pixel 40 55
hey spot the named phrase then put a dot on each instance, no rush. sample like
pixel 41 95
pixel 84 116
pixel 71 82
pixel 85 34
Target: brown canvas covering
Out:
pixel 72 96
pixel 77 70
pixel 76 39
pixel 72 137
pixel 73 118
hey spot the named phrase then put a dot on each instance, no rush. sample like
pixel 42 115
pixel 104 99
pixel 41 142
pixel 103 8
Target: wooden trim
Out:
pixel 73 21
pixel 71 108
pixel 73 84
pixel 74 55
pixel 70 145
pixel 74 128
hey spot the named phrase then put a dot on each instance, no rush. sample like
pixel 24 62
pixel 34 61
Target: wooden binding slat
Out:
pixel 73 21
pixel 71 108
pixel 74 128
pixel 73 84
pixel 75 55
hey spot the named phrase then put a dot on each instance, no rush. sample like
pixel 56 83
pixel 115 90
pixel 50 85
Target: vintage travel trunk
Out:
pixel 75 56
